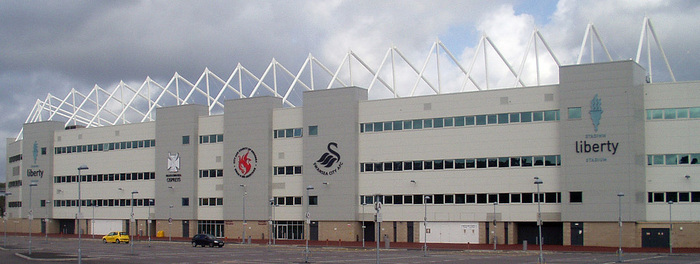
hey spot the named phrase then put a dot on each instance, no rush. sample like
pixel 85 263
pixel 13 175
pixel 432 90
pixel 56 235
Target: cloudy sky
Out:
pixel 55 46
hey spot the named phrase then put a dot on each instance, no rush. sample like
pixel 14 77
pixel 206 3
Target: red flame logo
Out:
pixel 244 163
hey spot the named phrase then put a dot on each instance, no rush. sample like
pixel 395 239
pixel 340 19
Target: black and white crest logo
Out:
pixel 329 163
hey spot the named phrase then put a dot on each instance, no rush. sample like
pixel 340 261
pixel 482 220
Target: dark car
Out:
pixel 206 240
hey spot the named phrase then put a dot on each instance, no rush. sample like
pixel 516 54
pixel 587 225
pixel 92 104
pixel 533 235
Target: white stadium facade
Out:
pixel 604 143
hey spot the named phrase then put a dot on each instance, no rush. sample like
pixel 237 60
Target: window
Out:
pixel 185 201
pixel 574 112
pixel 575 197
pixel 313 200
pixel 313 130
pixel 185 140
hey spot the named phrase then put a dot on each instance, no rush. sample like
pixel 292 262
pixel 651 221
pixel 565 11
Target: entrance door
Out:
pixel 577 234
pixel 409 229
pixel 43 226
pixel 185 228
pixel 655 237
pixel 67 226
pixel 369 231
pixel 313 231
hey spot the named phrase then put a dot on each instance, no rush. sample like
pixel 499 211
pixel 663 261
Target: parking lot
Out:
pixel 64 250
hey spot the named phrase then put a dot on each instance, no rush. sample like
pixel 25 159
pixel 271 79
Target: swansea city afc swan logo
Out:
pixel 245 162
pixel 329 163
pixel 596 112
pixel 173 162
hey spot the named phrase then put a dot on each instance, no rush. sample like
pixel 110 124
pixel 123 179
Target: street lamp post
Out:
pixel 494 225
pixel 619 226
pixel 80 169
pixel 363 222
pixel 269 236
pixel 245 193
pixel 425 225
pixel 132 222
pixel 274 223
pixel 4 220
pixel 670 229
pixel 46 220
pixel 308 223
pixel 539 219
pixel 170 222
pixel 93 220
pixel 148 223
pixel 31 213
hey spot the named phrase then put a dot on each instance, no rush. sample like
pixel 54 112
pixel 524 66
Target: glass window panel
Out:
pixel 459 164
pixel 449 121
pixel 212 138
pixel 526 117
pixel 417 165
pixel 469 120
pixel 369 127
pixel 439 199
pixel 408 199
pixel 515 161
pixel 503 162
pixel 407 124
pixel 220 137
pixel 481 198
pixel 313 130
pixel 481 163
pixel 526 161
pixel 438 122
pixel 428 164
pixel 670 113
pixel 298 132
pixel 694 158
pixel 493 162
pixel 658 197
pixel 459 121
pixel 481 120
pixel 503 198
pixel 418 124
pixel 388 126
pixel 378 166
pixel 683 159
pixel 492 119
pixel 526 198
pixel 514 197
pixel 671 159
pixel 694 112
pixel 682 113
pixel 460 199
pixel 550 115
pixel 574 112
pixel 408 165
pixel 649 114
pixel 388 166
pixel 658 159
pixel 684 197
pixel 538 160
pixel 427 123
pixel 657 113
pixel 537 116
pixel 369 167
pixel 438 164
pixel 550 160
pixel 470 163
pixel 503 118
pixel 449 164
pixel 398 166
pixel 297 170
pixel 398 125
pixel 672 196
pixel 514 117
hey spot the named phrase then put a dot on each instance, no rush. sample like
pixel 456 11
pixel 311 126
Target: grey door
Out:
pixel 313 231
pixel 577 234
pixel 655 237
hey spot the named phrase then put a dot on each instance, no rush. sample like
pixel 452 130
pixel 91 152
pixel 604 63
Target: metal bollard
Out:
pixel 249 239
pixel 524 245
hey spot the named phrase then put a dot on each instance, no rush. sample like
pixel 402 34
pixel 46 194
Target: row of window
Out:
pixel 16 183
pixel 14 204
pixel 673 159
pixel 287 170
pixel 673 113
pixel 211 173
pixel 128 176
pixel 105 202
pixel 501 162
pixel 211 201
pixel 664 197
pixel 135 144
pixel 15 158
pixel 460 121
pixel 211 138
pixel 478 198
pixel 288 133
pixel 295 200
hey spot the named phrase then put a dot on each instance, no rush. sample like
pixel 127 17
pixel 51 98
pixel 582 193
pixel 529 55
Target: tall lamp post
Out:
pixel 31 213
pixel 170 222
pixel 619 226
pixel 670 229
pixel 494 225
pixel 538 182
pixel 80 169
pixel 363 222
pixel 274 223
pixel 4 220
pixel 148 223
pixel 132 222
pixel 269 236
pixel 425 225
pixel 245 193
pixel 46 220
pixel 308 224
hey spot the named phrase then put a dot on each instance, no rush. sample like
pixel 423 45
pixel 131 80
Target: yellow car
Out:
pixel 116 237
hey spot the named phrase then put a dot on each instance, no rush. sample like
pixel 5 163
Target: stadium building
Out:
pixel 603 144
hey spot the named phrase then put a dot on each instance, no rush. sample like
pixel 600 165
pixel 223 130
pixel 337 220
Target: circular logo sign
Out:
pixel 245 162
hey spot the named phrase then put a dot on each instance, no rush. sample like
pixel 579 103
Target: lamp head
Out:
pixel 620 194
pixel 83 167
